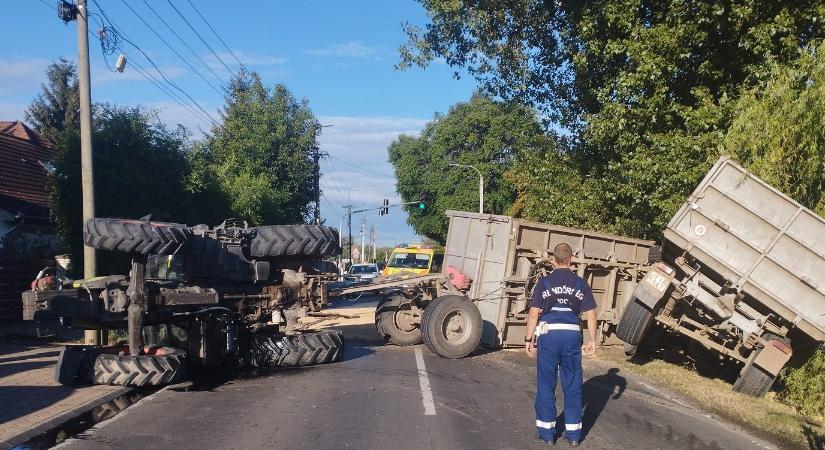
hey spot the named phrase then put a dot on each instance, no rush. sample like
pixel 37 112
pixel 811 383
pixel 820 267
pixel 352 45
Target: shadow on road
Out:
pixel 596 392
pixel 18 401
pixel 28 357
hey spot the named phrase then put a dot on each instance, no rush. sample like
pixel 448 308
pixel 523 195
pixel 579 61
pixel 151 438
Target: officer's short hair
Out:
pixel 562 253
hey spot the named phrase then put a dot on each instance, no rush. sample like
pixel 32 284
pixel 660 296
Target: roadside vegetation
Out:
pixel 764 415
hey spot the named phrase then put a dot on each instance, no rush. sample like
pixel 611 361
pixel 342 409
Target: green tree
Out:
pixel 482 133
pixel 551 187
pixel 140 169
pixel 261 153
pixel 778 132
pixel 644 88
pixel 57 108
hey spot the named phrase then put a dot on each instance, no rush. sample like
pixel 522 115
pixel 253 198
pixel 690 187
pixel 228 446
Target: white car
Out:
pixel 362 272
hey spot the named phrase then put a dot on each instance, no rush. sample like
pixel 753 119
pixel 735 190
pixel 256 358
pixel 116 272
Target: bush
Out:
pixel 805 386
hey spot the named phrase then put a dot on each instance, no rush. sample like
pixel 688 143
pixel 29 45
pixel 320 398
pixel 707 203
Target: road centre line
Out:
pixel 424 380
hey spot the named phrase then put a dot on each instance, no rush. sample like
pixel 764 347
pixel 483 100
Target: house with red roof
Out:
pixel 25 162
pixel 27 234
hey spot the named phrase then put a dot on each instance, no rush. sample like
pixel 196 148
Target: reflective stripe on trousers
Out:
pixel 559 356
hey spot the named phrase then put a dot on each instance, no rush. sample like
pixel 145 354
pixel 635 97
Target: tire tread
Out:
pixel 301 350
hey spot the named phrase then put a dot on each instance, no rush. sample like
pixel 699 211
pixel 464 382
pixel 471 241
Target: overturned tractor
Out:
pixel 195 297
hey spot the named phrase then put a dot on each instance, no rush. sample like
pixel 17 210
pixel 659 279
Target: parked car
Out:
pixel 362 272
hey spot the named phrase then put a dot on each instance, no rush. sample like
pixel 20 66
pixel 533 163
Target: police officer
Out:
pixel 554 331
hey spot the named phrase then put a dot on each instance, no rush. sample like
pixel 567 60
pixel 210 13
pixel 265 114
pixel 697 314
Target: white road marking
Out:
pixel 426 392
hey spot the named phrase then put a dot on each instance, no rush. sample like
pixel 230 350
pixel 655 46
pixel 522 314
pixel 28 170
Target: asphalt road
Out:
pixel 377 398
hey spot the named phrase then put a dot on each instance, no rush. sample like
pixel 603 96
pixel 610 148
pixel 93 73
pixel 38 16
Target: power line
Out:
pixel 361 168
pixel 182 41
pixel 334 171
pixel 167 44
pixel 199 37
pixel 160 72
pixel 48 5
pixel 159 84
pixel 216 34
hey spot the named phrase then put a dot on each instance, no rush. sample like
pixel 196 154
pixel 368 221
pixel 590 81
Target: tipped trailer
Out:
pixel 741 274
pixel 491 263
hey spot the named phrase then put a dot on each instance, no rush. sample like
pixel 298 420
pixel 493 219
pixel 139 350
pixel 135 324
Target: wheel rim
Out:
pixel 456 327
pixel 404 321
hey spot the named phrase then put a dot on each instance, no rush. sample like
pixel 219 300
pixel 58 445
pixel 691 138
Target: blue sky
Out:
pixel 338 55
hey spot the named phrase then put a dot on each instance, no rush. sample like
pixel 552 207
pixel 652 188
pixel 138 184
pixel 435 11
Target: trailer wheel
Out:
pixel 451 326
pixel 753 380
pixel 654 254
pixel 635 321
pixel 135 236
pixel 143 370
pixel 305 241
pixel 395 323
pixel 307 349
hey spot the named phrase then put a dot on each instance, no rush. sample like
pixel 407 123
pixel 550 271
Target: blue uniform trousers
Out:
pixel 559 353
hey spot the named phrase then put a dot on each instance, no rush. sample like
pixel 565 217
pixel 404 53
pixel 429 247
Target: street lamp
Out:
pixel 480 186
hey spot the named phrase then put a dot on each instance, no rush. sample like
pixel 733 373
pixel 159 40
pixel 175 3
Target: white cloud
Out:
pixel 266 65
pixel 22 74
pixel 358 168
pixel 352 50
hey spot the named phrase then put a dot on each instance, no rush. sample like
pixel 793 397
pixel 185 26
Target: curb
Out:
pixel 61 419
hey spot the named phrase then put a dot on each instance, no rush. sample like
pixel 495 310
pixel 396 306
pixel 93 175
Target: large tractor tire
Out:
pixel 307 349
pixel 635 321
pixel 395 323
pixel 451 326
pixel 144 370
pixel 135 236
pixel 74 366
pixel 304 241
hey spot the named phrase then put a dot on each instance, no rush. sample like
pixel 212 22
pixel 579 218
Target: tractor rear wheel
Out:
pixel 303 241
pixel 135 236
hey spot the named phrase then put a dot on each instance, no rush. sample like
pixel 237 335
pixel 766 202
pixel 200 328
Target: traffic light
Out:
pixel 421 204
pixel 384 209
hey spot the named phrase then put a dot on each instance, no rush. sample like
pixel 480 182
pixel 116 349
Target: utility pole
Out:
pixel 372 241
pixel 349 225
pixel 316 158
pixel 363 226
pixel 86 161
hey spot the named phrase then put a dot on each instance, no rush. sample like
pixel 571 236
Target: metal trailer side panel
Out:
pixel 477 244
pixel 508 248
pixel 611 265
pixel 770 246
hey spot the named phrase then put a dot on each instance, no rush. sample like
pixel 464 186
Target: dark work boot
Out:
pixel 552 440
pixel 572 442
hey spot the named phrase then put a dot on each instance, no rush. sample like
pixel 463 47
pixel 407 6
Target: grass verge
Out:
pixel 765 415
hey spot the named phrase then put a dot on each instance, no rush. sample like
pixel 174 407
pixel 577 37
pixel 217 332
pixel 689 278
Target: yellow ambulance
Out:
pixel 416 259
